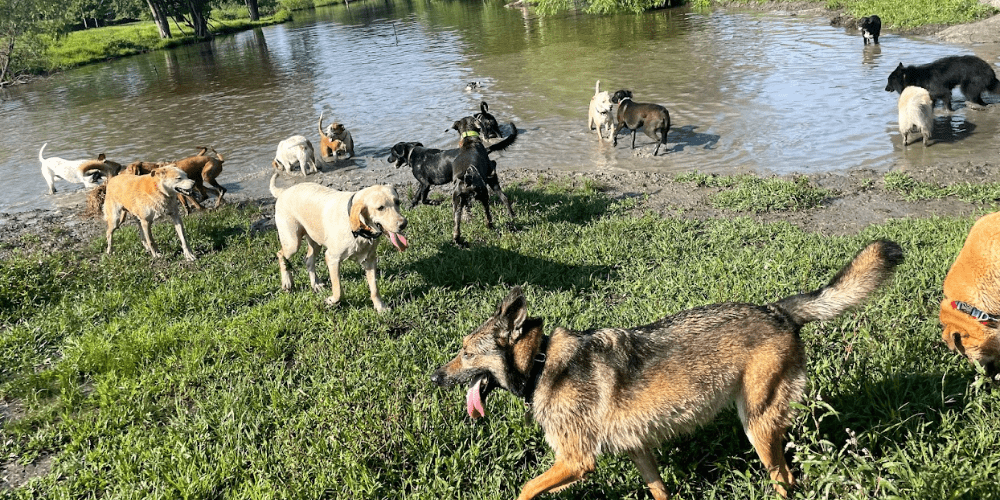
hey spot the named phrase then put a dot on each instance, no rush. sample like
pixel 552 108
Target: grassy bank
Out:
pixel 894 14
pixel 140 378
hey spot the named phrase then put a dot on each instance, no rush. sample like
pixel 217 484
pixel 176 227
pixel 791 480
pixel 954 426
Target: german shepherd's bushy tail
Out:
pixel 504 144
pixel 871 267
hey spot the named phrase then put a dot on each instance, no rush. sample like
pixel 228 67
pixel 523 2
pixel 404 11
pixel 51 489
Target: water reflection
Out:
pixel 746 92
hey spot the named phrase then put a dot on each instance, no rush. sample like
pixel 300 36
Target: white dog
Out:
pixel 347 223
pixel 600 116
pixel 916 110
pixel 86 172
pixel 295 150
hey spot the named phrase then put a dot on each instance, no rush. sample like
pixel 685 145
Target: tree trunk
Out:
pixel 254 12
pixel 160 17
pixel 5 58
pixel 198 21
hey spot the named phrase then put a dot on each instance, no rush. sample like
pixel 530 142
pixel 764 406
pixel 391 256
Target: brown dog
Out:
pixel 970 311
pixel 651 118
pixel 626 390
pixel 336 142
pixel 202 168
pixel 147 197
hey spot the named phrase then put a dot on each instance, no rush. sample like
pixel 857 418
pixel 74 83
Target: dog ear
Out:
pixel 358 210
pixel 484 107
pixel 512 312
pixel 100 157
pixel 456 125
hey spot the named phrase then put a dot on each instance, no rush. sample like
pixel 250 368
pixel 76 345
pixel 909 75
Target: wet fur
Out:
pixel 86 172
pixel 147 197
pixel 203 169
pixel 627 390
pixel 336 143
pixel 870 27
pixel 651 118
pixel 599 115
pixel 974 278
pixel 482 122
pixel 916 111
pixel 296 150
pixel 970 73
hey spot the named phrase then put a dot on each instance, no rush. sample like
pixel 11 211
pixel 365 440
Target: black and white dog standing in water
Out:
pixel 870 28
pixel 970 73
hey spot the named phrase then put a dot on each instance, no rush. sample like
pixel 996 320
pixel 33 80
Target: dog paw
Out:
pixel 332 301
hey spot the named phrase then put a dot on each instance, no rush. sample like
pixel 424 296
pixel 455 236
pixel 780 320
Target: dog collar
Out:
pixel 980 316
pixel 536 371
pixel 470 133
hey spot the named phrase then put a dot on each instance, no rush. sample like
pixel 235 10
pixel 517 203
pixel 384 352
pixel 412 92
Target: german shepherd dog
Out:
pixel 614 390
pixel 970 73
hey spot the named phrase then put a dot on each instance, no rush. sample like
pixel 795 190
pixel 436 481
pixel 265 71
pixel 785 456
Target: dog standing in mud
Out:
pixel 86 172
pixel 651 118
pixel 916 111
pixel 969 73
pixel 599 115
pixel 614 390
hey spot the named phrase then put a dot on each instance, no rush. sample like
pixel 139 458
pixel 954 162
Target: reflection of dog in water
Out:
pixel 970 73
pixel 916 111
pixel 870 28
pixel 626 390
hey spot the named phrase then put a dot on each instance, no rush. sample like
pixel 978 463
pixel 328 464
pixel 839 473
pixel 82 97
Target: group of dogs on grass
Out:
pixel 602 390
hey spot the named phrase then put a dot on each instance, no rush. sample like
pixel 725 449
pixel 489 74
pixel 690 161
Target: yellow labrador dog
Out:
pixel 147 197
pixel 347 223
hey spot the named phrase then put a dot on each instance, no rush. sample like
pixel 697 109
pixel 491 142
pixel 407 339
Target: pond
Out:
pixel 747 92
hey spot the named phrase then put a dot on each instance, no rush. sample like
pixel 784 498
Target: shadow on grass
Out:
pixel 454 267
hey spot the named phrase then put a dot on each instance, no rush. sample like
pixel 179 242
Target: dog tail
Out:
pixel 504 144
pixel 319 126
pixel 597 88
pixel 871 267
pixel 40 157
pixel 275 190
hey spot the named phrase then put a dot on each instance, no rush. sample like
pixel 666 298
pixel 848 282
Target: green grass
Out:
pixel 750 193
pixel 895 14
pixel 160 378
pixel 913 190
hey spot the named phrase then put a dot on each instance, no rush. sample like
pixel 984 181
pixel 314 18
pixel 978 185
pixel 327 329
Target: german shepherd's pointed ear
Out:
pixel 485 108
pixel 512 312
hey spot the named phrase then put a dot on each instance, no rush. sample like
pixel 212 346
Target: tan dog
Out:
pixel 348 224
pixel 147 197
pixel 296 150
pixel 86 172
pixel 599 116
pixel 335 132
pixel 202 168
pixel 916 111
pixel 971 307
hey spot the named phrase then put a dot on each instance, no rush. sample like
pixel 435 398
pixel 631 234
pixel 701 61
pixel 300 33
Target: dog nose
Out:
pixel 437 379
pixel 403 225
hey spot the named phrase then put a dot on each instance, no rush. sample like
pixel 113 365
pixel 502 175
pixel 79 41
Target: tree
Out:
pixel 161 16
pixel 254 11
pixel 602 6
pixel 21 20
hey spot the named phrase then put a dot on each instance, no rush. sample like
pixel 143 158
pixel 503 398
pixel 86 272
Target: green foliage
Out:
pixel 912 189
pixel 750 193
pixel 160 378
pixel 913 13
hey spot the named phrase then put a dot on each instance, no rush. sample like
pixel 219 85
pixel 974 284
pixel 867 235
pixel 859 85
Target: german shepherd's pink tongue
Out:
pixel 474 403
pixel 398 240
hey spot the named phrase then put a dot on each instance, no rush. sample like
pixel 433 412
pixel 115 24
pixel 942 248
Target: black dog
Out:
pixel 870 28
pixel 468 167
pixel 972 74
pixel 652 118
pixel 476 177
pixel 482 122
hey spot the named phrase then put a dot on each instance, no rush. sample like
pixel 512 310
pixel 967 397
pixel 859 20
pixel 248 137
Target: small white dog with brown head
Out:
pixel 599 116
pixel 295 150
pixel 347 223
pixel 86 172
pixel 147 197
pixel 916 111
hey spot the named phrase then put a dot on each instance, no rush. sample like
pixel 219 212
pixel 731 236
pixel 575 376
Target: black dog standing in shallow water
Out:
pixel 970 73
pixel 652 118
pixel 870 28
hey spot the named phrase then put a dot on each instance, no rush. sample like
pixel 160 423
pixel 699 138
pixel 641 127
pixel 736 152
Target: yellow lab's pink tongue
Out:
pixel 473 403
pixel 398 240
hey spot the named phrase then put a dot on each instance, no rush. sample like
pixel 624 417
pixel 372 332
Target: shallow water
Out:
pixel 747 92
